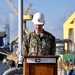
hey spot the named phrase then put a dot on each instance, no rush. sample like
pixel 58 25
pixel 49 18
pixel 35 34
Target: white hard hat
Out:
pixel 38 18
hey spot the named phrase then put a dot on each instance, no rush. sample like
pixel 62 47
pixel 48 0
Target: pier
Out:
pixel 8 56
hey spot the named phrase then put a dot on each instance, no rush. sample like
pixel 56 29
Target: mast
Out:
pixel 20 30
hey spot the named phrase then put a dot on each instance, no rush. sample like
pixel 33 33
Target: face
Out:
pixel 38 27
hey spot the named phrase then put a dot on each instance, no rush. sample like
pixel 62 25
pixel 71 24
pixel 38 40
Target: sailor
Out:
pixel 39 42
pixel 13 70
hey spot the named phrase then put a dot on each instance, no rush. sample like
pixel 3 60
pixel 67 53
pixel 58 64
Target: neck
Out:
pixel 38 31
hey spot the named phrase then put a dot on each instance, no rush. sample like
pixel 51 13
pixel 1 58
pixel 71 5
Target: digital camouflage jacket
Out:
pixel 43 44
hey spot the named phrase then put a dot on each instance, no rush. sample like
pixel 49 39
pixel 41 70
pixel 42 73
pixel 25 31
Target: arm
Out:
pixel 53 46
pixel 25 46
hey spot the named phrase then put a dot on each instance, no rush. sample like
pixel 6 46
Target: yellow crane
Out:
pixel 26 17
pixel 68 27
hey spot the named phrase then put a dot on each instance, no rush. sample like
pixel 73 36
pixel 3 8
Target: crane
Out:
pixel 26 17
pixel 26 12
pixel 68 27
pixel 12 6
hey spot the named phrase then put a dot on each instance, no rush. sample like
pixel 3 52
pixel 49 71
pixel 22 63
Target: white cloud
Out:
pixel 51 25
pixel 3 20
pixel 56 26
pixel 13 20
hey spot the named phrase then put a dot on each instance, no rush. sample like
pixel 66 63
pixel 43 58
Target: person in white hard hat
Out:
pixel 39 42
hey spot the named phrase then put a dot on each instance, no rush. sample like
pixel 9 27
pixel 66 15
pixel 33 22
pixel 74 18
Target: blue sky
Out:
pixel 56 12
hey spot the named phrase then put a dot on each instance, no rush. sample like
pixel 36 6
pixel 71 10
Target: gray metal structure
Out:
pixel 7 38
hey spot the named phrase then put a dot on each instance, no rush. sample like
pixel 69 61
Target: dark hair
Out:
pixel 11 63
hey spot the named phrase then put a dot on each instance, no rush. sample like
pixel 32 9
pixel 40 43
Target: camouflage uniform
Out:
pixel 43 44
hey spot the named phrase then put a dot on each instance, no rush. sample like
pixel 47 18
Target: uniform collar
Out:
pixel 41 34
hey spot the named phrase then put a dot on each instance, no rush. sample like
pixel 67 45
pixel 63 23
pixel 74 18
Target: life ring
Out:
pixel 13 71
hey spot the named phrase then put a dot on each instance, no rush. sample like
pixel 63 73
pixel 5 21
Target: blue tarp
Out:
pixel 69 72
pixel 1 42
